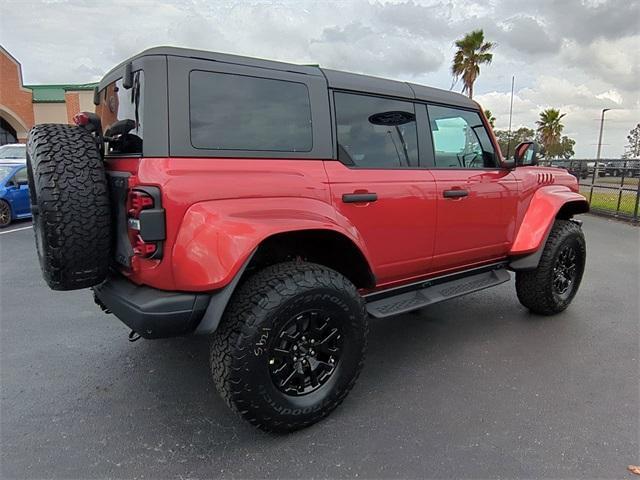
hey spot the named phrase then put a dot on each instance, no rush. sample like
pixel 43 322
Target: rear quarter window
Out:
pixel 121 114
pixel 238 112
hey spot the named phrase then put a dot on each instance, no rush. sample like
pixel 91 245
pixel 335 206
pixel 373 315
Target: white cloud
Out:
pixel 612 95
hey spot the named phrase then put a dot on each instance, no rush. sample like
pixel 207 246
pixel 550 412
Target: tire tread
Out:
pixel 267 290
pixel 533 286
pixel 69 191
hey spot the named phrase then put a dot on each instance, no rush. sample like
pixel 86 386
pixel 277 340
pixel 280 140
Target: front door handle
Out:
pixel 456 193
pixel 367 197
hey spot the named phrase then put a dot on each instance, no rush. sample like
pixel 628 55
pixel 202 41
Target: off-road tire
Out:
pixel 535 287
pixel 241 347
pixel 70 205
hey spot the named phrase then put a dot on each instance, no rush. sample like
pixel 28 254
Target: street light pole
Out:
pixel 600 137
pixel 595 167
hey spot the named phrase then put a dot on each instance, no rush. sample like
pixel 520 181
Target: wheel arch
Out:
pixel 548 204
pixel 323 246
pixel 571 208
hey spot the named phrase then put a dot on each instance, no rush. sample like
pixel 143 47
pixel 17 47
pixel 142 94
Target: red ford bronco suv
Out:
pixel 276 206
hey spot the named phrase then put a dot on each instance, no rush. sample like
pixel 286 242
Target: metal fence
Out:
pixel 612 186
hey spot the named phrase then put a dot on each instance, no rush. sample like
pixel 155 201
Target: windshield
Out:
pixel 4 171
pixel 12 151
pixel 120 111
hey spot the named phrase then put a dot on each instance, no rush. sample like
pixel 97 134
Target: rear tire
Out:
pixel 291 346
pixel 70 206
pixel 550 288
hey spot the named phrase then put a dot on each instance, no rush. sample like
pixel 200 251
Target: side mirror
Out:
pixel 23 182
pixel 509 163
pixel 526 153
pixel 127 78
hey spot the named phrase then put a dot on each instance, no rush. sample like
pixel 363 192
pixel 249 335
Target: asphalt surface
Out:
pixel 475 387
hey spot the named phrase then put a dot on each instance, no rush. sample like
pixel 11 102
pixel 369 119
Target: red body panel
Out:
pixel 219 210
pixel 216 237
pixel 480 226
pixel 398 228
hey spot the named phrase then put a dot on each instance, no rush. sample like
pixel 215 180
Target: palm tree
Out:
pixel 550 128
pixel 472 52
pixel 490 118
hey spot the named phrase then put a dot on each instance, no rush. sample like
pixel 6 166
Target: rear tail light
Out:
pixel 146 221
pixel 138 201
pixel 142 248
pixel 81 119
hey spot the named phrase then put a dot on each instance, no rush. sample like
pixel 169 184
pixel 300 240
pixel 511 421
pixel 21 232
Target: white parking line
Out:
pixel 16 230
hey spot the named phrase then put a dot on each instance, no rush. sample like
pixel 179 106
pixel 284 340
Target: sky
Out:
pixel 579 56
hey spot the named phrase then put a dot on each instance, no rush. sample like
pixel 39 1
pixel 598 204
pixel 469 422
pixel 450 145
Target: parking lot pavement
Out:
pixel 475 387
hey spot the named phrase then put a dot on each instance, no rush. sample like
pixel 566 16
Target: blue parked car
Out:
pixel 14 193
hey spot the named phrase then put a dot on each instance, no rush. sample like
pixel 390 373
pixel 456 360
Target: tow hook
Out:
pixel 134 336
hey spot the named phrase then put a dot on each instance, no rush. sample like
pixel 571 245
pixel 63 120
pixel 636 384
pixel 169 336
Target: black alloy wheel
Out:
pixel 564 271
pixel 305 352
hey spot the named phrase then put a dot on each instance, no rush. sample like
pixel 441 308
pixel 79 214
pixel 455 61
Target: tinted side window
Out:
pixel 460 139
pixel 237 112
pixel 376 132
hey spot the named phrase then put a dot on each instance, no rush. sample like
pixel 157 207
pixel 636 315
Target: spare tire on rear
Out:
pixel 70 203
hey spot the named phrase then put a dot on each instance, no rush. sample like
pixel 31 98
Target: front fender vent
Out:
pixel 545 178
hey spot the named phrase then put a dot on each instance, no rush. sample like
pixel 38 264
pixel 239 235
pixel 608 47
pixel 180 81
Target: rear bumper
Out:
pixel 150 312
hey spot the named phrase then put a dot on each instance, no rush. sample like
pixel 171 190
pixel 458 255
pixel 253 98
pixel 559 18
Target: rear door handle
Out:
pixel 457 193
pixel 359 197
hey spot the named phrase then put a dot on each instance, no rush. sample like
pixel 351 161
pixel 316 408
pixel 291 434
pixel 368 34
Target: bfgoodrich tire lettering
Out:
pixel 550 288
pixel 70 205
pixel 242 348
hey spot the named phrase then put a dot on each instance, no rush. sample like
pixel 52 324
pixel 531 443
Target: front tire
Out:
pixel 291 346
pixel 5 214
pixel 550 288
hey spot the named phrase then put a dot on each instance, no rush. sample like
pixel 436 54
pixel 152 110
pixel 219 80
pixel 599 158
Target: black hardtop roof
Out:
pixel 335 79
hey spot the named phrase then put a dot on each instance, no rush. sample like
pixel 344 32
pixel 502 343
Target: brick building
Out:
pixel 23 106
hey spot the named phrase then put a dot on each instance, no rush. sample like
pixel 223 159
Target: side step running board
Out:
pixel 412 300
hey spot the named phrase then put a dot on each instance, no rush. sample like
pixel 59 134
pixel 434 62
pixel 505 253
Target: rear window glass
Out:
pixel 120 111
pixel 12 152
pixel 237 112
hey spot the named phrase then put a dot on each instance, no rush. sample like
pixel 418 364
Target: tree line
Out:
pixel 548 133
